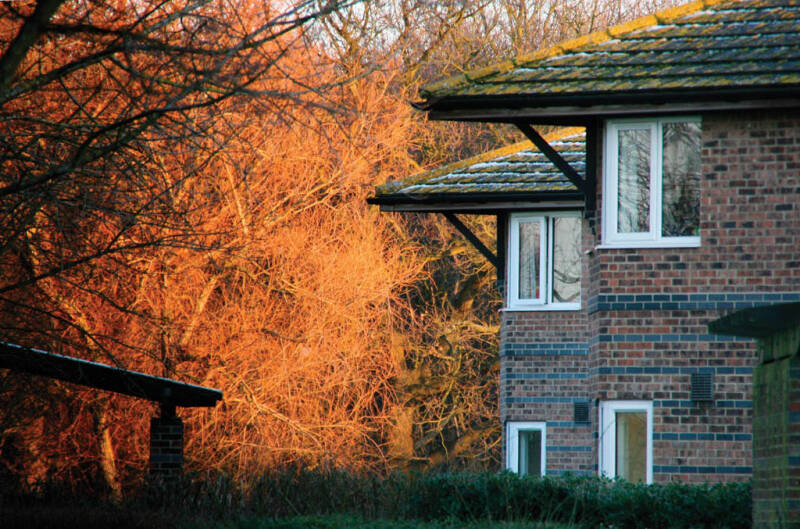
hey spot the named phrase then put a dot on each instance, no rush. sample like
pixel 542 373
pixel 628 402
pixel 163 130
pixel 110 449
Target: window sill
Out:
pixel 544 308
pixel 690 242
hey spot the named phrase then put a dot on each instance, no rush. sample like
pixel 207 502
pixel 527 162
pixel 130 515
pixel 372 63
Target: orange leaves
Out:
pixel 303 332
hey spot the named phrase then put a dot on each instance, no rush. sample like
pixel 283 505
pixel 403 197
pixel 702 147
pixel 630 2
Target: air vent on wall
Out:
pixel 581 412
pixel 702 387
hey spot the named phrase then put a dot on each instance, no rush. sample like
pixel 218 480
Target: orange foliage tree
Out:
pixel 157 219
pixel 295 323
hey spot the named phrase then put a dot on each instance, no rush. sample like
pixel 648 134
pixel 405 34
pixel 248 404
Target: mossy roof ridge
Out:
pixel 516 168
pixel 702 44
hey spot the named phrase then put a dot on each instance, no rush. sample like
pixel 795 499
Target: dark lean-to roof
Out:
pixel 499 179
pixel 710 54
pixel 105 377
pixel 759 322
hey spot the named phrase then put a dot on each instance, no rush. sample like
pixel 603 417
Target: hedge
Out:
pixel 580 501
pixel 586 501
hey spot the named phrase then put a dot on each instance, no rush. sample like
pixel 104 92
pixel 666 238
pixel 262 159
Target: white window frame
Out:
pixel 653 238
pixel 544 301
pixel 608 435
pixel 513 429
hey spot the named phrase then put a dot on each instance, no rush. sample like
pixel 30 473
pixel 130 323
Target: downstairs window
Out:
pixel 626 440
pixel 526 448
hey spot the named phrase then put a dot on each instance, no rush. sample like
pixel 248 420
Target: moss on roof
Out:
pixel 703 44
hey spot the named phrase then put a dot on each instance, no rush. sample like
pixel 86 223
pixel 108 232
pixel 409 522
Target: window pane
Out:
pixel 566 260
pixel 631 456
pixel 681 180
pixel 530 233
pixel 530 453
pixel 633 206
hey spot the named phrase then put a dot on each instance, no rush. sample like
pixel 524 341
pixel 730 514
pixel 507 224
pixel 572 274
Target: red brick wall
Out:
pixel 750 217
pixel 646 311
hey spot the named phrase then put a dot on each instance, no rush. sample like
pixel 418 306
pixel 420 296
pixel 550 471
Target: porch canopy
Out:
pixel 527 176
pixel 166 431
pixel 519 176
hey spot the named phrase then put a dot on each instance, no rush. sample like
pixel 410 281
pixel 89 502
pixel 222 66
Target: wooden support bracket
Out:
pixel 587 185
pixel 473 239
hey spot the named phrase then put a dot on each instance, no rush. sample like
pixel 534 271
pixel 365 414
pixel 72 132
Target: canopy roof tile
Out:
pixel 519 169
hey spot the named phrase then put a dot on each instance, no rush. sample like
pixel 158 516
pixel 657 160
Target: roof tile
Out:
pixel 704 44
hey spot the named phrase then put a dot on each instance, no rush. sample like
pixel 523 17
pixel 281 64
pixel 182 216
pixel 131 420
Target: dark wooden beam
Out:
pixel 473 239
pixel 574 109
pixel 563 166
pixel 168 392
pixel 592 146
pixel 502 234
pixel 502 245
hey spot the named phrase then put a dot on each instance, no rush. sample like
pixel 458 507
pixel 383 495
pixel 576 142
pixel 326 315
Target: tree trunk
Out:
pixel 108 461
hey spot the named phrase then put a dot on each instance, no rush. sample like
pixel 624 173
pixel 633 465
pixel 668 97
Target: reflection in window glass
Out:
pixel 530 453
pixel 680 180
pixel 633 206
pixel 566 259
pixel 631 455
pixel 530 234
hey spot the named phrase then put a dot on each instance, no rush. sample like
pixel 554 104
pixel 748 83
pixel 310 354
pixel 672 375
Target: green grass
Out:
pixel 113 517
pixel 351 522
pixel 64 516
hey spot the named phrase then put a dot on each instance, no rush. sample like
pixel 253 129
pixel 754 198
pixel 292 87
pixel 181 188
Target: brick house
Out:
pixel 673 202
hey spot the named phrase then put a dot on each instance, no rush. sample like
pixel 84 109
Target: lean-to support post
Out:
pixel 166 444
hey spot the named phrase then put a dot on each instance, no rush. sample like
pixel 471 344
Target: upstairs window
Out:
pixel 651 183
pixel 544 261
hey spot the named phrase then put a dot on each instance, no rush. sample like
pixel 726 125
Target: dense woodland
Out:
pixel 183 192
